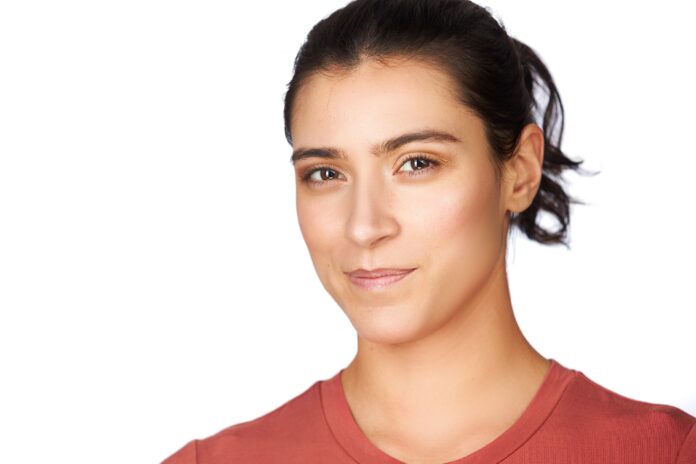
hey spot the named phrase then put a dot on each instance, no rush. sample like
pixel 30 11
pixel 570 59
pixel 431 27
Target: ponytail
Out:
pixel 551 196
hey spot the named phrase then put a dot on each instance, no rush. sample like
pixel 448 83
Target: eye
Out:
pixel 326 174
pixel 419 164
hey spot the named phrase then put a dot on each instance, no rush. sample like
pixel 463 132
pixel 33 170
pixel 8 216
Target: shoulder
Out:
pixel 592 413
pixel 597 404
pixel 297 422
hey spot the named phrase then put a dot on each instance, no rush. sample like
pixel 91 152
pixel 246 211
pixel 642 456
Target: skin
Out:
pixel 442 367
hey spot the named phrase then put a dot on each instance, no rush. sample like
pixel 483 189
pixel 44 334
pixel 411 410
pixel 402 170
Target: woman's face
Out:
pixel 440 214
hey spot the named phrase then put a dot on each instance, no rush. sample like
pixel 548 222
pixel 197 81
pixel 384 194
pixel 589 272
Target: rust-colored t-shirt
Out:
pixel 571 419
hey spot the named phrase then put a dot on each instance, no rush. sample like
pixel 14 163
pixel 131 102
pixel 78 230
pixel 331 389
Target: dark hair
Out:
pixel 497 76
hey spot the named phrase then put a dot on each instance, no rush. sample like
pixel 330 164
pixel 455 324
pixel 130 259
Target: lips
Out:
pixel 377 279
pixel 377 273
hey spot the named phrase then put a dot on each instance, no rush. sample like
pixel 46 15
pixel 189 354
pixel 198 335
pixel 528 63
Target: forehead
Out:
pixel 374 100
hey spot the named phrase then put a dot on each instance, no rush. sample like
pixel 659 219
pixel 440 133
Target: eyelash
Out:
pixel 432 164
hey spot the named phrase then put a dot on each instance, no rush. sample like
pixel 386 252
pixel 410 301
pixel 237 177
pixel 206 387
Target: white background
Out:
pixel 154 285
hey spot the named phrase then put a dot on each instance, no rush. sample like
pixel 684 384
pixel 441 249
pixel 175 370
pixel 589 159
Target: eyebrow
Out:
pixel 387 146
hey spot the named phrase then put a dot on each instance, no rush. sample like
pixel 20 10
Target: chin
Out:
pixel 387 325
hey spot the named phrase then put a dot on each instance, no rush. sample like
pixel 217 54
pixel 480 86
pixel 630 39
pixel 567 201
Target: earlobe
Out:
pixel 526 168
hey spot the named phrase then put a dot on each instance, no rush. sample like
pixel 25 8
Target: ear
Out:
pixel 523 170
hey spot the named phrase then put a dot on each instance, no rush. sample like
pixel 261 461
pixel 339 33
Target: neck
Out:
pixel 475 371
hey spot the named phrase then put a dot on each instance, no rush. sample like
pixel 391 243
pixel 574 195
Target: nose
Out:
pixel 372 217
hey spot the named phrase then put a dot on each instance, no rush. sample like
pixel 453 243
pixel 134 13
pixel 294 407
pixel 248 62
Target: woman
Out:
pixel 416 153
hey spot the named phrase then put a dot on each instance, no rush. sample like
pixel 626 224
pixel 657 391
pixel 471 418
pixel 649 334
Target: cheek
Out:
pixel 460 213
pixel 321 228
pixel 312 224
pixel 322 231
pixel 461 234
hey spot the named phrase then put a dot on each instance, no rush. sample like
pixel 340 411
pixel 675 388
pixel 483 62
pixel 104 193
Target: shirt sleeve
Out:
pixel 687 452
pixel 185 455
